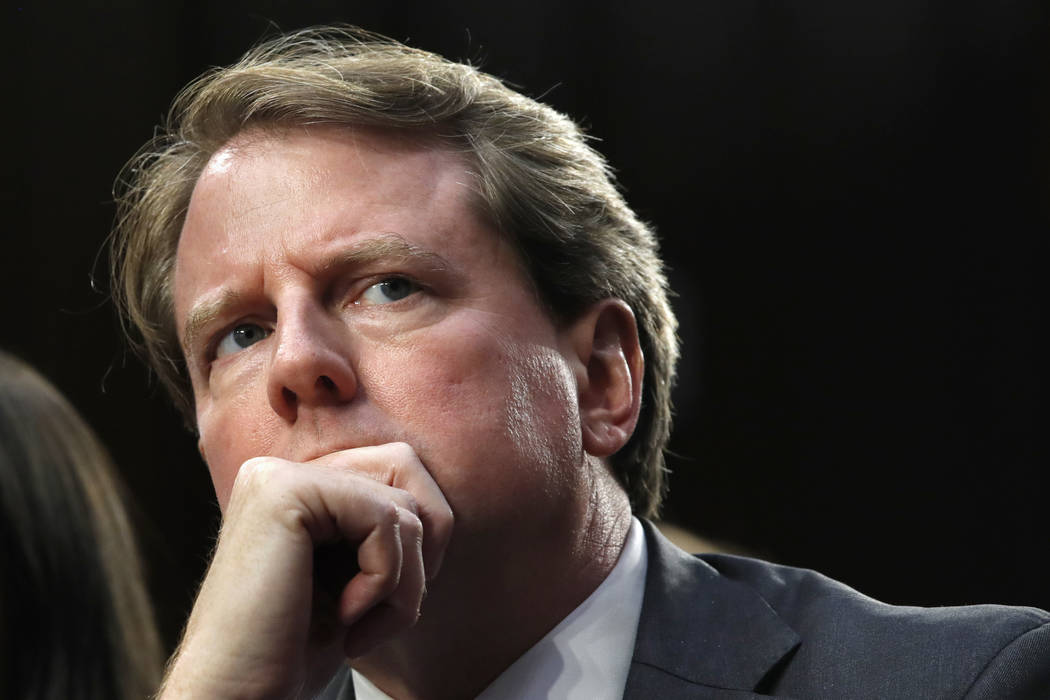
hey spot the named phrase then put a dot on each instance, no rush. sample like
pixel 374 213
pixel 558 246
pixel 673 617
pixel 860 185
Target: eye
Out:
pixel 241 337
pixel 388 291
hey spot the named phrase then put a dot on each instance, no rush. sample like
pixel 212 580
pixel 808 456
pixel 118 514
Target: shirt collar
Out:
pixel 588 654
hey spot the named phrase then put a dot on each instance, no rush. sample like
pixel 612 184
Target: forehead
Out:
pixel 308 174
pixel 295 197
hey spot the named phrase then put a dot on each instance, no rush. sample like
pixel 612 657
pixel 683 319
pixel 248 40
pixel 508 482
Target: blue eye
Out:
pixel 388 291
pixel 241 337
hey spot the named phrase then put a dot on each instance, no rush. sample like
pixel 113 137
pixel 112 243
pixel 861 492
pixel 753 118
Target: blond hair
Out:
pixel 538 182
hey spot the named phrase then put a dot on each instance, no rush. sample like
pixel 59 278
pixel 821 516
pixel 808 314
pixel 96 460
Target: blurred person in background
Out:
pixel 75 617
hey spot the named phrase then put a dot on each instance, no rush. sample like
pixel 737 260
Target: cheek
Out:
pixel 231 432
pixel 487 415
pixel 222 469
pixel 541 415
pixel 434 390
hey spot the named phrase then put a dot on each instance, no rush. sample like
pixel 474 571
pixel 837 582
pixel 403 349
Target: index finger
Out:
pixel 396 464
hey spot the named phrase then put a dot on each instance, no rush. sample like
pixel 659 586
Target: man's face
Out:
pixel 335 289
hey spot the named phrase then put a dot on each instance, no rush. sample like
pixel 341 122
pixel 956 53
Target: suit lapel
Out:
pixel 701 635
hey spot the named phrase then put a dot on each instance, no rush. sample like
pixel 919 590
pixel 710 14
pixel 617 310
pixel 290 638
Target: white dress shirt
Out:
pixel 587 655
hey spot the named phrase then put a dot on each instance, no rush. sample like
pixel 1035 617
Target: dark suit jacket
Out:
pixel 726 627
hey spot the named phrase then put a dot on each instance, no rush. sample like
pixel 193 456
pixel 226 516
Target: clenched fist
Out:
pixel 270 620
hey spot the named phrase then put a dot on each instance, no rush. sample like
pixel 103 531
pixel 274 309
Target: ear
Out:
pixel 200 448
pixel 609 367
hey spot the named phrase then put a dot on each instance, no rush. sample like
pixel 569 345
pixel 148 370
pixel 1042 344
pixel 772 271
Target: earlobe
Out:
pixel 200 448
pixel 609 375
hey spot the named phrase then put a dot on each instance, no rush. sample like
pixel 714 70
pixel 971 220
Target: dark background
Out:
pixel 852 198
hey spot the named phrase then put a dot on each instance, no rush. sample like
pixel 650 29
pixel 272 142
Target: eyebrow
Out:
pixel 203 315
pixel 385 247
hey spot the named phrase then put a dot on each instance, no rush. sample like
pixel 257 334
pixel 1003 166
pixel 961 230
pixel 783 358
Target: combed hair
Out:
pixel 77 621
pixel 536 179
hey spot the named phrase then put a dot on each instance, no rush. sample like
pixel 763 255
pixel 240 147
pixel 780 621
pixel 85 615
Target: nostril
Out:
pixel 289 396
pixel 326 383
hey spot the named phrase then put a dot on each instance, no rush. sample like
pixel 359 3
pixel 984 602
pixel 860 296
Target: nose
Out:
pixel 310 365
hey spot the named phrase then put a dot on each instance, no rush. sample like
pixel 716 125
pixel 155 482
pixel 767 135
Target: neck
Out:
pixel 495 599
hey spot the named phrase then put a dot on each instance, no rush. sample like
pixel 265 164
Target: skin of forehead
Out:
pixel 241 150
pixel 389 247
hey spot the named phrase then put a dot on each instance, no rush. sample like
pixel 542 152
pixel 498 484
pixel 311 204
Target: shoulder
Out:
pixel 808 600
pixel 734 623
pixel 848 638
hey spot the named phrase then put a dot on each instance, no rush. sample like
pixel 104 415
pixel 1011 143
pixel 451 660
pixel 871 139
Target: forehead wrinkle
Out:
pixel 385 247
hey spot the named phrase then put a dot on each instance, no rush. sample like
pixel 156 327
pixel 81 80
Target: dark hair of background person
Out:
pixel 75 619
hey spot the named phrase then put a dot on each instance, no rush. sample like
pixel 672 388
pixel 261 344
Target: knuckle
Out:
pixel 403 452
pixel 444 523
pixel 410 524
pixel 257 472
pixel 257 465
pixel 388 583
pixel 390 514
pixel 411 504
